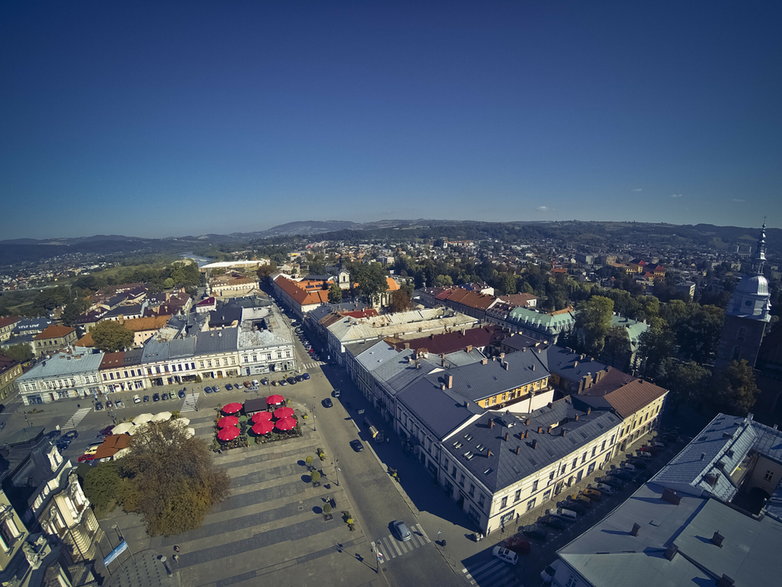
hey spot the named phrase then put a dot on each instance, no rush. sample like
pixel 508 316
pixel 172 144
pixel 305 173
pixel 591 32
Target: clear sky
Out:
pixel 170 118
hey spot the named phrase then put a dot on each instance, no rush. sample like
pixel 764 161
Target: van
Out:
pixel 566 513
pixel 505 555
pixel 603 488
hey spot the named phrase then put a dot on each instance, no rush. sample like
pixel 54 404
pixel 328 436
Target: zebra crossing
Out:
pixel 190 403
pixel 493 572
pixel 389 547
pixel 74 420
pixel 311 365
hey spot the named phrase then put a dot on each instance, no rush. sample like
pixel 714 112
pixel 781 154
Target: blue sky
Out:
pixel 174 118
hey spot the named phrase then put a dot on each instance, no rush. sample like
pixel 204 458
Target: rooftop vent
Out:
pixel 517 450
pixel 725 581
pixel 505 437
pixel 717 539
pixel 468 455
pixel 457 444
pixel 671 551
pixel 636 528
pixel 534 443
pixel 468 437
pixel 671 496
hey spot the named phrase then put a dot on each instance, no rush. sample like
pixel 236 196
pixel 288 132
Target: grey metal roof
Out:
pixel 439 411
pixel 216 341
pixel 155 351
pixel 568 364
pixel 495 462
pixel 64 364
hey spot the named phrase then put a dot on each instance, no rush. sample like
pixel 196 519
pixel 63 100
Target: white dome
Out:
pixel 755 285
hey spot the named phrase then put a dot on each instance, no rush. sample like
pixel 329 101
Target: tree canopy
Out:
pixel 174 482
pixel 594 322
pixel 110 336
pixel 335 293
pixel 734 389
pixel 371 279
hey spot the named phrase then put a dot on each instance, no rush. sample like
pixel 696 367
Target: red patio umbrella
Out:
pixel 227 434
pixel 283 412
pixel 262 427
pixel 226 421
pixel 285 424
pixel 261 417
pixel 232 408
pixel 274 400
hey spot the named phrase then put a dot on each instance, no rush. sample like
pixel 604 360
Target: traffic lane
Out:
pixel 423 566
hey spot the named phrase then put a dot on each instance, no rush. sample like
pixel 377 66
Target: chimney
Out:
pixel 717 539
pixel 564 432
pixel 534 443
pixel 491 422
pixel 540 429
pixel 575 364
pixel 703 455
pixel 636 528
pixel 407 345
pixel 725 581
pixel 505 437
pixel 442 386
pixel 577 417
pixel 671 551
pixel 449 381
pixel 671 496
pixel 589 411
pixel 517 449
pixel 489 453
pixel 468 348
pixel 484 361
pixel 502 355
pixel 505 365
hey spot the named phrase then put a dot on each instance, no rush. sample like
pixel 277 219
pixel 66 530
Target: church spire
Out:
pixel 760 251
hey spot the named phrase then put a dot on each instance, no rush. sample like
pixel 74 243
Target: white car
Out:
pixel 603 488
pixel 137 399
pixel 505 554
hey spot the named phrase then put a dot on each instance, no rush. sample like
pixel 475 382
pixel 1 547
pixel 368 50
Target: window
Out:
pixel 504 503
pixel 575 463
pixel 584 458
pixel 603 446
pixel 517 497
pixel 534 486
pixel 594 450
pixel 571 582
pixel 472 490
pixel 546 494
pixel 531 504
pixel 769 475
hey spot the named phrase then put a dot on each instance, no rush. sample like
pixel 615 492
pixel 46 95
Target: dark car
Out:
pixel 207 389
pixel 155 397
pixel 71 434
pixel 622 474
pixel 181 393
pixel 264 381
pixel 577 506
pixel 98 406
pixel 146 398
pixel 305 376
pixel 356 445
pixel 109 403
pixel 291 380
pixel 535 532
pixel 554 522
pixel 336 393
pixel 63 443
pixel 401 531
pixel 106 431
pixel 228 386
pixel 327 403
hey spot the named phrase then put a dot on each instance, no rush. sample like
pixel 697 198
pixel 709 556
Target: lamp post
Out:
pixel 336 471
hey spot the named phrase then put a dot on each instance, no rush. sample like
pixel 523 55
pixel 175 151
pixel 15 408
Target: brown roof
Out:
pixel 518 299
pixel 111 360
pixel 471 299
pixel 111 445
pixel 54 331
pixel 8 320
pixel 633 396
pixel 147 323
pixel 451 341
pixel 85 341
pixel 299 295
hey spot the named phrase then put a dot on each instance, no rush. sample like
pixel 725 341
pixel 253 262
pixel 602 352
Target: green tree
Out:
pixel 654 346
pixel 509 283
pixel 267 270
pixel 616 351
pixel 686 380
pixel 593 322
pixel 19 352
pixel 734 390
pixel 110 336
pixel 73 310
pixel 371 279
pixel 400 300
pixel 698 333
pixel 174 477
pixel 443 280
pixel 168 283
pixel 103 487
pixel 335 293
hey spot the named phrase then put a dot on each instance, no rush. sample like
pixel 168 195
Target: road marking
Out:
pixel 389 547
pixel 189 405
pixel 74 420
pixel 493 572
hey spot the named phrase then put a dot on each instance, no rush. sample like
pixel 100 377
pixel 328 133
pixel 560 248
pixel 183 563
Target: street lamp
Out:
pixel 335 462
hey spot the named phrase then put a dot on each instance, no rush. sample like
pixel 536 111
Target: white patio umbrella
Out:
pixel 161 417
pixel 142 419
pixel 190 432
pixel 182 421
pixel 123 428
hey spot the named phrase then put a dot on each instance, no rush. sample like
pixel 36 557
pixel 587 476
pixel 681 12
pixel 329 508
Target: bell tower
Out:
pixel 747 314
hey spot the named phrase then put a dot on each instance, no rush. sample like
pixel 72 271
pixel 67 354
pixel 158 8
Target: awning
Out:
pixel 275 400
pixel 161 417
pixel 123 428
pixel 227 421
pixel 284 412
pixel 232 408
pixel 261 417
pixel 262 428
pixel 228 433
pixel 142 419
pixel 285 424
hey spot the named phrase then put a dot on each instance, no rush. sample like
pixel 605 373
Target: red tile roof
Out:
pixel 8 320
pixel 632 396
pixel 299 295
pixel 54 331
pixel 451 341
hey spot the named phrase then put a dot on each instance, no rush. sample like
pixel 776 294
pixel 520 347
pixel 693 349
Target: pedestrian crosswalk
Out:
pixel 493 572
pixel 191 403
pixel 311 365
pixel 74 420
pixel 389 547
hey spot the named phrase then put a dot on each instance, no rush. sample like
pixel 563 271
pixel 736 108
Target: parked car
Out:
pixel 137 399
pixel 592 494
pixel 547 575
pixel 291 380
pixel 401 531
pixel 146 398
pixel 604 488
pixel 155 397
pixel 181 393
pixel 265 381
pixel 554 522
pixel 98 406
pixel 336 393
pixel 517 544
pixel 119 403
pixel 106 431
pixel 645 452
pixel 356 445
pixel 612 481
pixel 327 403
pixel 63 443
pixel 505 555
pixel 71 434
pixel 305 376
pixel 536 532
pixel 577 506
pixel 215 389
pixel 109 404
pixel 84 458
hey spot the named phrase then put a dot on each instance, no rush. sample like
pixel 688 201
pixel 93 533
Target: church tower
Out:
pixel 747 314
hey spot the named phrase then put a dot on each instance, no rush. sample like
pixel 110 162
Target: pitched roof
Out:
pixel 633 396
pixel 146 323
pixel 54 331
pixel 451 341
pixel 299 294
pixel 8 320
